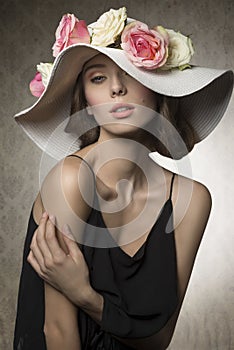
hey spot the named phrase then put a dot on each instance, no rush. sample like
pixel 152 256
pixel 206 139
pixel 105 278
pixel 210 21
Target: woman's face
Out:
pixel 105 82
pixel 115 97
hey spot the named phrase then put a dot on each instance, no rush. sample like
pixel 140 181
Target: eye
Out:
pixel 98 79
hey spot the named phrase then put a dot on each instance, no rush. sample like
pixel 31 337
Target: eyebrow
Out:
pixel 98 65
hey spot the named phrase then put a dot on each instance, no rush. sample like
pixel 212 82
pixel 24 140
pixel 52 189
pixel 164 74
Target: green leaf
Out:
pixel 184 66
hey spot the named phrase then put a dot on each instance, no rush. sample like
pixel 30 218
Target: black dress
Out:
pixel 140 292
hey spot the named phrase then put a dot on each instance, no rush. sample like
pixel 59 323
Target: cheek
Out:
pixel 90 98
pixel 94 97
pixel 147 98
pixel 143 95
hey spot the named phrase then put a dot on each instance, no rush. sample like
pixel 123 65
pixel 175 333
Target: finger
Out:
pixel 33 262
pixel 52 240
pixel 41 242
pixel 71 244
pixel 67 232
pixel 37 254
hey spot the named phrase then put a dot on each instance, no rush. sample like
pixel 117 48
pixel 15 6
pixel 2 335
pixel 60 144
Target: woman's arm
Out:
pixel 58 335
pixel 61 327
pixel 64 268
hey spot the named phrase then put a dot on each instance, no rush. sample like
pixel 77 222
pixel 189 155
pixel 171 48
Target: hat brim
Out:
pixel 204 93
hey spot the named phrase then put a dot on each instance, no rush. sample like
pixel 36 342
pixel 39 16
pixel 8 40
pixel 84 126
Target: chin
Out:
pixel 122 130
pixel 126 131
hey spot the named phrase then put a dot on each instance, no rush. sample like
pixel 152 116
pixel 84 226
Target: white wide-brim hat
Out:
pixel 204 96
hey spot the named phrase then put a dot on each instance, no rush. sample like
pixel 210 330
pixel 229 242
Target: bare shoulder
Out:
pixel 67 191
pixel 192 202
pixel 200 193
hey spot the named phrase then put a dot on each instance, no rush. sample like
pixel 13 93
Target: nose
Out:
pixel 118 88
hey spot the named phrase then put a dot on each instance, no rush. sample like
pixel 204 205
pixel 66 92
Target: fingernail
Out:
pixel 44 215
pixel 52 218
pixel 67 231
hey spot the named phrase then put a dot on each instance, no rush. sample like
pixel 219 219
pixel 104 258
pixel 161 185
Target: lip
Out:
pixel 122 114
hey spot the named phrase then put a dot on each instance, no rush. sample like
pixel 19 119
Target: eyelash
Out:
pixel 98 79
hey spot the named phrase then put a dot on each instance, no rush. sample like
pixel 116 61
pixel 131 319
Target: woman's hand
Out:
pixel 66 272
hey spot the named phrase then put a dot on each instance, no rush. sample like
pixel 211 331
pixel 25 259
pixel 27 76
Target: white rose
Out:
pixel 180 50
pixel 45 70
pixel 108 27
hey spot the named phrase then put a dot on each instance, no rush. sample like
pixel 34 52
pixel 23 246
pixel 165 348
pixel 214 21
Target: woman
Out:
pixel 138 226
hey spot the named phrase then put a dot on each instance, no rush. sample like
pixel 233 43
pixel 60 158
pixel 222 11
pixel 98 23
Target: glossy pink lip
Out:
pixel 121 110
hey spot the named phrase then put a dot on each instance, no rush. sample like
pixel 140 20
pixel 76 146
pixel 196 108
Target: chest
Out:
pixel 129 218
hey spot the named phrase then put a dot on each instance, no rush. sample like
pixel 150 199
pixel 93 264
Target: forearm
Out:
pixel 60 326
pixel 92 304
pixel 56 339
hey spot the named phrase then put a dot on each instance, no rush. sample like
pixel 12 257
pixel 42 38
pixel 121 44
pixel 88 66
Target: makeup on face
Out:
pixel 105 82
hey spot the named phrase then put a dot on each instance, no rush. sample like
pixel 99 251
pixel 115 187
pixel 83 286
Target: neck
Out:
pixel 122 159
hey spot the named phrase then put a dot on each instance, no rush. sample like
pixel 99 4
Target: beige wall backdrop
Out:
pixel 27 34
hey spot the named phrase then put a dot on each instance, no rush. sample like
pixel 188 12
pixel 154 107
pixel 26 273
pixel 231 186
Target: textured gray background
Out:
pixel 27 33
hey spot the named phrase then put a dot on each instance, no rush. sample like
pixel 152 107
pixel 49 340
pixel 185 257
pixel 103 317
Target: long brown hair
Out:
pixel 181 142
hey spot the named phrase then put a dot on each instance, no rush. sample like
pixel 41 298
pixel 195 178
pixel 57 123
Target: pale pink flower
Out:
pixel 147 48
pixel 36 86
pixel 70 31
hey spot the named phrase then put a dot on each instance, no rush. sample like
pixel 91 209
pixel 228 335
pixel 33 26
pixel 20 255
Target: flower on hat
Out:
pixel 180 50
pixel 70 31
pixel 36 86
pixel 41 79
pixel 147 48
pixel 45 69
pixel 150 49
pixel 108 27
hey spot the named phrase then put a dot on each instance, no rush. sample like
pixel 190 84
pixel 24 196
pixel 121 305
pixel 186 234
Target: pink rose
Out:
pixel 147 48
pixel 36 86
pixel 70 31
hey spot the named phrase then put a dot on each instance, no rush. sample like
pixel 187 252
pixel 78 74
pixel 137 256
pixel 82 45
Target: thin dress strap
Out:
pixel 172 181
